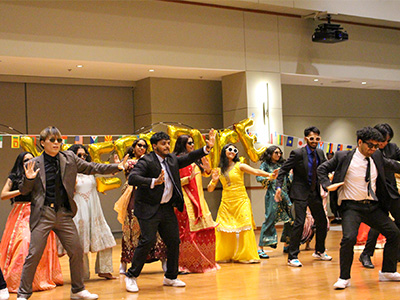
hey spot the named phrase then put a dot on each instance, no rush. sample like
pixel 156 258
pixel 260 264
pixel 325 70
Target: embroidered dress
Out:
pixel 196 226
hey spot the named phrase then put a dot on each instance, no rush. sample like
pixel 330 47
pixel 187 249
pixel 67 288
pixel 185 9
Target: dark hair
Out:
pixel 267 155
pixel 49 131
pixel 158 136
pixel 17 170
pixel 330 153
pixel 311 129
pixel 131 150
pixel 224 161
pixel 368 133
pixel 385 129
pixel 74 148
pixel 180 148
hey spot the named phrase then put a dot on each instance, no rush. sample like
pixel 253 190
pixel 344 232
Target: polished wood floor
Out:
pixel 272 279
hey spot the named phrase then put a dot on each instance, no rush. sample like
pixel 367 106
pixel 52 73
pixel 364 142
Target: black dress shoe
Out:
pixel 366 261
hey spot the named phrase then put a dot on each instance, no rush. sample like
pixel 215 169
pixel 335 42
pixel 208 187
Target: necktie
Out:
pixel 171 178
pixel 368 179
pixel 314 171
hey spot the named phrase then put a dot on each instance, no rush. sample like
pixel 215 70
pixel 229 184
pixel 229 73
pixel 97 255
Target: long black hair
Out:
pixel 224 161
pixel 74 148
pixel 180 148
pixel 17 170
pixel 267 155
pixel 131 150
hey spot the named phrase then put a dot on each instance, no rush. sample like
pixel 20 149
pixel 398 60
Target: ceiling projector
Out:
pixel 329 33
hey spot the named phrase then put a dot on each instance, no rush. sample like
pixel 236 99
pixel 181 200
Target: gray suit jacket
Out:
pixel 70 165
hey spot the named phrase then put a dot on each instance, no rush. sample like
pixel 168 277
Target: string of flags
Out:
pixel 328 147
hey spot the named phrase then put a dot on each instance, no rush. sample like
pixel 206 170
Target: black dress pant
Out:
pixel 355 212
pixel 373 234
pixel 165 222
pixel 3 283
pixel 314 202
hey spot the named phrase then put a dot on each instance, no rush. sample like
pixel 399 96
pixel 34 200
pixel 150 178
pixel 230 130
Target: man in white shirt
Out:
pixel 359 187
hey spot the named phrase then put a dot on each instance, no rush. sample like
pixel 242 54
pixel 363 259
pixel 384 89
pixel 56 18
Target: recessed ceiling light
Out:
pixel 315 79
pixel 364 82
pixel 79 66
pixel 151 70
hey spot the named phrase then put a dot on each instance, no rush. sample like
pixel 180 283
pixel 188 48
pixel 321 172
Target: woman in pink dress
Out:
pixel 16 238
pixel 196 226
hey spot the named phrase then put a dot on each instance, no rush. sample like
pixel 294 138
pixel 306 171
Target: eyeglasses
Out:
pixel 371 145
pixel 142 146
pixel 81 155
pixel 311 138
pixel 278 152
pixel 53 140
pixel 26 160
pixel 232 149
pixel 190 143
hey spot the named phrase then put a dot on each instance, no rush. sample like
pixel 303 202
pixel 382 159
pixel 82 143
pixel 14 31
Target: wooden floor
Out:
pixel 272 279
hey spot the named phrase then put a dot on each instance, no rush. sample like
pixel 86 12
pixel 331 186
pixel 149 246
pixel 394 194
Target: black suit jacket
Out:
pixel 393 152
pixel 340 164
pixel 147 200
pixel 298 162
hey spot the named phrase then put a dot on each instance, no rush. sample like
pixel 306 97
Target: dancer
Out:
pixel 234 214
pixel 389 150
pixel 272 159
pixel 362 196
pixel 130 225
pixel 16 237
pixel 196 226
pixel 305 192
pixel 156 176
pixel 50 178
pixel 94 233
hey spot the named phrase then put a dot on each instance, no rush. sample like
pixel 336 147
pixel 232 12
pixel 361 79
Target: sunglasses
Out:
pixel 53 140
pixel 142 146
pixel 26 160
pixel 278 152
pixel 80 155
pixel 190 143
pixel 312 139
pixel 232 149
pixel 370 145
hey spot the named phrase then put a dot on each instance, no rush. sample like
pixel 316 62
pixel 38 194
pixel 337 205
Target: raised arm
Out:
pixel 249 170
pixel 7 193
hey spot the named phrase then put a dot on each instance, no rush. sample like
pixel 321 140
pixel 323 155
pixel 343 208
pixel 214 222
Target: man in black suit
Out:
pixel 156 176
pixel 305 191
pixel 363 197
pixel 389 150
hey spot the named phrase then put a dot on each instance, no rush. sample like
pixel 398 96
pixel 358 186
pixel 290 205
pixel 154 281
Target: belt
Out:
pixel 366 201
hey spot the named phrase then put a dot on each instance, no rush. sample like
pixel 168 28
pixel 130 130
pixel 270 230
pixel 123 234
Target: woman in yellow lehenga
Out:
pixel 234 214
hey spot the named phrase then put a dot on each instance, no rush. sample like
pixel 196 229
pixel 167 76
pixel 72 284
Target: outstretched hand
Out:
pixel 123 164
pixel 160 179
pixel 205 164
pixel 211 139
pixel 30 173
pixel 278 195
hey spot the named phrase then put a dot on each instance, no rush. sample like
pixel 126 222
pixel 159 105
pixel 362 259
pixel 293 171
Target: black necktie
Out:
pixel 170 177
pixel 314 171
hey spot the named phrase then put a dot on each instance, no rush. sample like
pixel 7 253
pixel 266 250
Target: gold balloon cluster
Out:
pixel 120 146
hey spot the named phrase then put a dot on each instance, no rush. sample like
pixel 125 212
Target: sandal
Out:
pixel 107 276
pixel 262 254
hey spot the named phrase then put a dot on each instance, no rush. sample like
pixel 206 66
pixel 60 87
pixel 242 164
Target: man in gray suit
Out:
pixel 50 178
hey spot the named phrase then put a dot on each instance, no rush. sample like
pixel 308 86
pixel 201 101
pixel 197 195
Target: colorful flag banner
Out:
pixel 329 148
pixel 300 142
pixel 289 142
pixel 1 142
pixel 65 139
pixel 108 138
pixel 94 139
pixel 349 147
pixel 33 137
pixel 280 140
pixel 78 139
pixel 320 145
pixel 15 141
pixel 339 147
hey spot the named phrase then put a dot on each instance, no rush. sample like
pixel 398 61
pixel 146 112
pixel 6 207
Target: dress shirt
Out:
pixel 310 162
pixel 355 187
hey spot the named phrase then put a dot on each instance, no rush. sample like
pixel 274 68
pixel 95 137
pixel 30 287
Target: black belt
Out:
pixel 366 201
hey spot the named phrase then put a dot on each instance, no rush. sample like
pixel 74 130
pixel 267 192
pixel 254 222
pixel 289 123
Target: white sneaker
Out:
pixel 386 276
pixel 122 268
pixel 131 285
pixel 173 282
pixel 294 263
pixel 322 256
pixel 84 295
pixel 342 284
pixel 4 295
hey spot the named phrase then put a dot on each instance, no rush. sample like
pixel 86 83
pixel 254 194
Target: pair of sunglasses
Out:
pixel 233 149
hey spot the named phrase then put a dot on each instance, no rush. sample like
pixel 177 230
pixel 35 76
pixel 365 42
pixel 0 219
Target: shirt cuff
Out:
pixel 205 150
pixel 152 183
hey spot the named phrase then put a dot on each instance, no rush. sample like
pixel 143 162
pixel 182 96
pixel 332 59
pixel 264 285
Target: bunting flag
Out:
pixel 1 142
pixel 329 148
pixel 320 145
pixel 289 142
pixel 108 138
pixel 33 137
pixel 78 139
pixel 300 142
pixel 349 147
pixel 339 147
pixel 65 139
pixel 15 141
pixel 94 139
pixel 280 140
pixel 272 139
